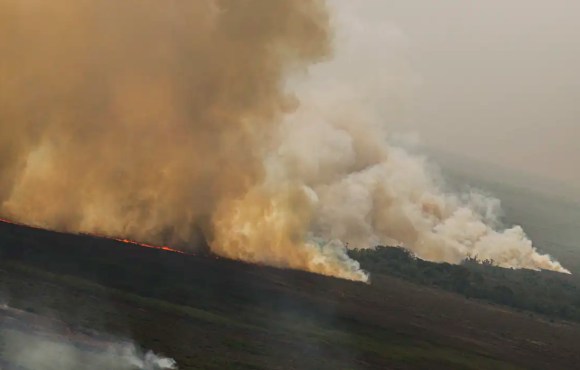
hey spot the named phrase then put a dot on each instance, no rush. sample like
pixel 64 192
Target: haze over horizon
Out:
pixel 496 81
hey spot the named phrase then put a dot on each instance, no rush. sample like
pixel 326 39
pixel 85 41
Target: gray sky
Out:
pixel 496 80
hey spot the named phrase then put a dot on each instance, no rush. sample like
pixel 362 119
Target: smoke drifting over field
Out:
pixel 30 341
pixel 38 352
pixel 174 122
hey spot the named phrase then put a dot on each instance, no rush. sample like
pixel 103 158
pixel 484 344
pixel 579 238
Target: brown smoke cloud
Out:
pixel 173 122
pixel 149 119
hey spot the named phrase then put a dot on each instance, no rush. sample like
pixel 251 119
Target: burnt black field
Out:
pixel 211 313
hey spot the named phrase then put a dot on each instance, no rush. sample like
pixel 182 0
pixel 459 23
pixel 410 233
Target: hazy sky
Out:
pixel 497 80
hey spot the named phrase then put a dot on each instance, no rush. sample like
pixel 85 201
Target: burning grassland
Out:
pixel 184 123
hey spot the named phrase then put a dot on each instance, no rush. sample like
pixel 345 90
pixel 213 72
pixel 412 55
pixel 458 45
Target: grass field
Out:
pixel 210 313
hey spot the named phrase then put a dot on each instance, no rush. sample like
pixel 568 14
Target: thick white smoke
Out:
pixel 369 192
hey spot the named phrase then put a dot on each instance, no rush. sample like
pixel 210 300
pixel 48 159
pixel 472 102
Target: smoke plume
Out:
pixel 149 120
pixel 175 122
pixel 368 190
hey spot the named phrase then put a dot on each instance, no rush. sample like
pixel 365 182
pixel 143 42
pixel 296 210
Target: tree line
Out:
pixel 544 292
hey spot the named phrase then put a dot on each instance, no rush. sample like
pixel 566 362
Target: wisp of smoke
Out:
pixel 33 351
pixel 30 341
pixel 173 121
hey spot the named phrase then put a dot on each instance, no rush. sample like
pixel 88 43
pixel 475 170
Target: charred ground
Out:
pixel 210 313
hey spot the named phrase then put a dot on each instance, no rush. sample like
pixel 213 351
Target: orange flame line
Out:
pixel 121 240
pixel 144 245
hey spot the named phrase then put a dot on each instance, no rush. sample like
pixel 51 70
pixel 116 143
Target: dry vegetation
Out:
pixel 212 313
